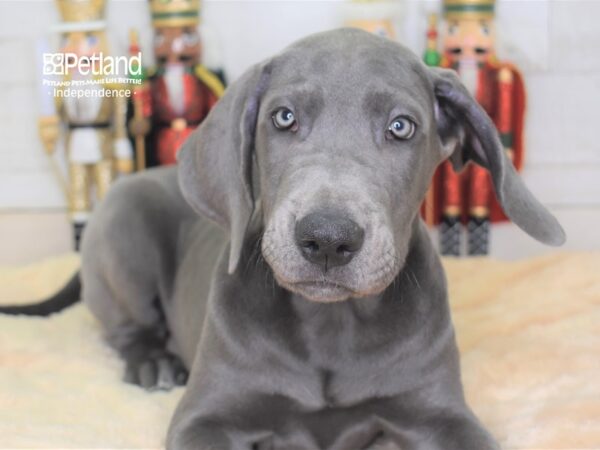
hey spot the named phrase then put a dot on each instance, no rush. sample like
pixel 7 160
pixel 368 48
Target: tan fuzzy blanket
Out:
pixel 529 332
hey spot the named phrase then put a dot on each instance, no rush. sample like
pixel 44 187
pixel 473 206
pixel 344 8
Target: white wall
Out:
pixel 556 43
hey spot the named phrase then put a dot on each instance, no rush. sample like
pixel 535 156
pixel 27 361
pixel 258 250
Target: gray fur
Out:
pixel 281 354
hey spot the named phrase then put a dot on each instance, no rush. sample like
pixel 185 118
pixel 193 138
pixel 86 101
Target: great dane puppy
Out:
pixel 314 314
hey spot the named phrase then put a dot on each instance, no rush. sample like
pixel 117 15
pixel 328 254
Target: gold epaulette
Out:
pixel 494 61
pixel 149 72
pixel 505 73
pixel 210 79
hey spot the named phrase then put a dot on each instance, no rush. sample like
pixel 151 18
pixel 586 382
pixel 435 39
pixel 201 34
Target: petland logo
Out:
pixel 96 65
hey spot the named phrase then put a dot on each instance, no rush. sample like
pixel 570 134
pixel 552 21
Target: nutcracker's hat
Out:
pixel 80 15
pixel 175 13
pixel 468 9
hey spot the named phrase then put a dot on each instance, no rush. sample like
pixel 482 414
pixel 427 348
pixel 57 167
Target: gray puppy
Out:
pixel 315 316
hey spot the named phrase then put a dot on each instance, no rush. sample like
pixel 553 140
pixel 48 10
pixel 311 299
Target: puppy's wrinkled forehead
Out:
pixel 349 62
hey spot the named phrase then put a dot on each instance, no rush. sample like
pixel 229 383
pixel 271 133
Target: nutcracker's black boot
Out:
pixel 450 235
pixel 78 228
pixel 479 236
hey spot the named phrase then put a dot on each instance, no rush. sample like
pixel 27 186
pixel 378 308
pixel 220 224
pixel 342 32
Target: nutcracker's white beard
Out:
pixel 174 81
pixel 468 71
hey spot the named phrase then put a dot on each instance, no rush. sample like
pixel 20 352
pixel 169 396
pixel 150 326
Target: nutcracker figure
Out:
pixel 93 121
pixel 374 16
pixel 179 92
pixel 466 198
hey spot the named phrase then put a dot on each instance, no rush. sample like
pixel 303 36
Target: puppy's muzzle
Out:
pixel 328 238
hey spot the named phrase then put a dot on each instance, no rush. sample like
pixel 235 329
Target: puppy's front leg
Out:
pixel 205 435
pixel 459 430
pixel 457 433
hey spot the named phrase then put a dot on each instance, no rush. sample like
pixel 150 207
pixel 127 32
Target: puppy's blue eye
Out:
pixel 284 119
pixel 402 128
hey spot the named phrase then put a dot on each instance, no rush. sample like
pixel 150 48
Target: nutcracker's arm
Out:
pixel 49 132
pixel 123 153
pixel 505 109
pixel 140 105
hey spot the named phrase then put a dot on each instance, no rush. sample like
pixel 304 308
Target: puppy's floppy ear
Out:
pixel 215 163
pixel 467 133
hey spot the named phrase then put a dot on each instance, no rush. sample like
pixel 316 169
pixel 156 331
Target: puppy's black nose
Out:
pixel 328 238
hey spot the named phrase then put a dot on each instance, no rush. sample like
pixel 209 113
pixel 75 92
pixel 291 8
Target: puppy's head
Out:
pixel 346 130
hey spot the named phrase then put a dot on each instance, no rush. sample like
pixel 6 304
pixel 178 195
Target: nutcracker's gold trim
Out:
pixel 432 20
pixel 48 130
pixel 452 211
pixel 175 13
pixel 80 10
pixel 82 177
pixel 479 212
pixel 510 154
pixel 104 175
pixel 79 180
pixel 210 79
pixel 123 166
pixel 179 124
pixel 469 9
pixel 505 75
pixel 49 120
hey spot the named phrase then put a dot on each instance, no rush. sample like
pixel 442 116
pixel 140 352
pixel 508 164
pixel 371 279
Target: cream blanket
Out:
pixel 529 333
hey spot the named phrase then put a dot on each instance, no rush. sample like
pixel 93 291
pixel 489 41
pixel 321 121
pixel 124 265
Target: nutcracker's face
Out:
pixel 469 39
pixel 177 45
pixel 81 43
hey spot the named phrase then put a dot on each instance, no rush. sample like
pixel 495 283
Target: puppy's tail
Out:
pixel 67 296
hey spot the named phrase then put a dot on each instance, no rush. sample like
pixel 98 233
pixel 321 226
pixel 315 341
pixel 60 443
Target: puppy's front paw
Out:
pixel 157 371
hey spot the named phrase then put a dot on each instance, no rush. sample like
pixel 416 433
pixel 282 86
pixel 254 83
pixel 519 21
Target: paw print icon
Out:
pixel 54 64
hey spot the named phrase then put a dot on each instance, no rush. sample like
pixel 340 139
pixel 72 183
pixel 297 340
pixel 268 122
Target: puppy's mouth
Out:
pixel 323 291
